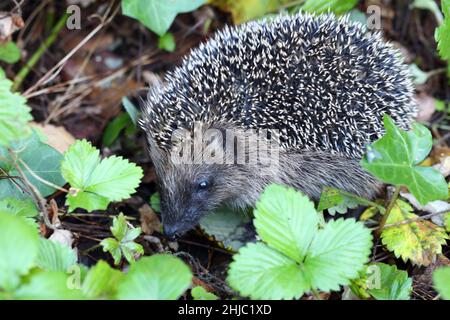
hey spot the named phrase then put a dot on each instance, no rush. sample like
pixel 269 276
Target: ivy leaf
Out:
pixel 14 114
pixel 101 281
pixel 441 280
pixel 123 243
pixel 48 285
pixel 18 249
pixel 55 256
pixel 417 241
pixel 336 6
pixel 298 256
pixel 9 52
pixel 158 15
pixel 94 182
pixel 159 277
pixel 393 284
pixel 286 220
pixel 394 159
pixel 261 272
pixel 24 209
pixel 199 293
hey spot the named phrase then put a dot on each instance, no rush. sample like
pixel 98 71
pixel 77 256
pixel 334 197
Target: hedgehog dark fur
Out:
pixel 324 83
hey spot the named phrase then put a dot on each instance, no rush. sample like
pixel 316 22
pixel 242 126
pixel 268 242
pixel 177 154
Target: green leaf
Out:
pixel 199 293
pixel 336 6
pixel 95 183
pixel 299 256
pixel 39 159
pixel 18 249
pixel 123 244
pixel 336 200
pixel 9 52
pixel 286 220
pixel 337 253
pixel 441 280
pixel 261 272
pixel 167 42
pixel 393 284
pixel 55 256
pixel 155 202
pixel 231 228
pixel 14 114
pixel 131 110
pixel 159 277
pixel 24 209
pixel 394 159
pixel 158 15
pixel 115 127
pixel 418 241
pixel 48 285
pixel 101 281
pixel 442 33
pixel 112 246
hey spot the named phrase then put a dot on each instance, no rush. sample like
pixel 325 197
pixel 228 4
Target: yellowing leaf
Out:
pixel 417 241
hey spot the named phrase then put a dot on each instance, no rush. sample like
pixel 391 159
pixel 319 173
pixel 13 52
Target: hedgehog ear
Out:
pixel 156 153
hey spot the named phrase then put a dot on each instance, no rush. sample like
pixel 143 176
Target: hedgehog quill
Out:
pixel 322 83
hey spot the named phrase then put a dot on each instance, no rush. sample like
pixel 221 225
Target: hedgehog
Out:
pixel 317 85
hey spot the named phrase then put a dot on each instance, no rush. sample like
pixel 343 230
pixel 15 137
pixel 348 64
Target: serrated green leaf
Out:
pixel 393 284
pixel 55 256
pixel 101 281
pixel 159 277
pixel 48 285
pixel 9 52
pixel 24 209
pixel 394 159
pixel 337 253
pixel 286 220
pixel 417 241
pixel 199 293
pixel 18 249
pixel 158 15
pixel 14 114
pixel 291 265
pixel 261 272
pixel 228 227
pixel 336 6
pixel 442 34
pixel 336 200
pixel 95 183
pixel 123 244
pixel 441 280
pixel 112 246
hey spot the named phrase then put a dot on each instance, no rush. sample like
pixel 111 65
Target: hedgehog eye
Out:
pixel 203 184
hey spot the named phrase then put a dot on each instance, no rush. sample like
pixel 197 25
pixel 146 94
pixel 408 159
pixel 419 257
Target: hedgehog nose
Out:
pixel 171 232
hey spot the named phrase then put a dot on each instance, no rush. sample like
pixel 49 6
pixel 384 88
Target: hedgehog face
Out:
pixel 189 192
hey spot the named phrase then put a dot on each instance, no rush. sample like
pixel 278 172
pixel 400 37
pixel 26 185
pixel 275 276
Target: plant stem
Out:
pixel 39 52
pixel 388 210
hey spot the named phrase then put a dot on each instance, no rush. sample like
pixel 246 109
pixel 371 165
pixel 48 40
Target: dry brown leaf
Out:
pixel 9 23
pixel 426 107
pixel 58 137
pixel 149 220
